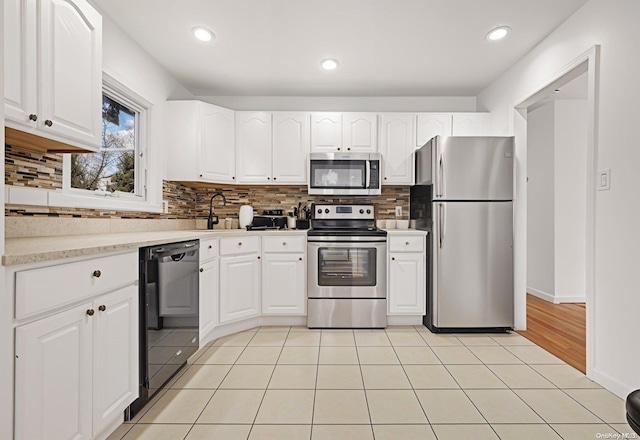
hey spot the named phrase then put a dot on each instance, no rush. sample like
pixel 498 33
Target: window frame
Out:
pixel 98 199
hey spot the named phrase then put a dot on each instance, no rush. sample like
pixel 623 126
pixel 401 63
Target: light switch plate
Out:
pixel 604 180
pixel 398 211
pixel 165 206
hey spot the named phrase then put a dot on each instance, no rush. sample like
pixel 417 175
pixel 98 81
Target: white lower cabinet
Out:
pixel 209 277
pixel 239 287
pixel 407 280
pixel 284 284
pixel 77 370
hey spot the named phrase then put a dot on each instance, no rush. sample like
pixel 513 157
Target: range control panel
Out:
pixel 344 212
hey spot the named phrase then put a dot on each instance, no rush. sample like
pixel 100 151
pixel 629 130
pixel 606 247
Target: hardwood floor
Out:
pixel 559 329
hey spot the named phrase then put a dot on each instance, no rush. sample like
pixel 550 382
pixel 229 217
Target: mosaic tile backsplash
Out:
pixel 186 201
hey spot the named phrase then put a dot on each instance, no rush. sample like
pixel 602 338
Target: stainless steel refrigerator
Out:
pixel 464 196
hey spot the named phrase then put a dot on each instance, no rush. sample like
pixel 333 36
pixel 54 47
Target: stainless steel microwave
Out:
pixel 354 174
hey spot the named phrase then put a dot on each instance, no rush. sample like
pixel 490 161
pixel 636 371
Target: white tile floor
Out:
pixel 400 383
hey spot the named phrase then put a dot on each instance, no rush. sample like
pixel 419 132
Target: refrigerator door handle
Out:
pixel 443 223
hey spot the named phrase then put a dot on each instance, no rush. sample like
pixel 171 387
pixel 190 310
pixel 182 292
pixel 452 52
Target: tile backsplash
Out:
pixel 186 201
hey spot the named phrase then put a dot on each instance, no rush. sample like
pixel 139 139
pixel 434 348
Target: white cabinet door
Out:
pixel 216 158
pixel 70 78
pixel 470 124
pixel 397 144
pixel 290 148
pixel 429 125
pixel 53 377
pixel 239 287
pixel 407 294
pixel 253 147
pixel 284 284
pixel 326 132
pixel 115 355
pixel 20 62
pixel 209 278
pixel 360 132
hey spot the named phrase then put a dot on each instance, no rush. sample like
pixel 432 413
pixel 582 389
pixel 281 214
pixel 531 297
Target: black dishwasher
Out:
pixel 169 321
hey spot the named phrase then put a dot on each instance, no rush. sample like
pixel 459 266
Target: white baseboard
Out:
pixel 556 299
pixel 615 386
pixel 404 320
pixel 542 295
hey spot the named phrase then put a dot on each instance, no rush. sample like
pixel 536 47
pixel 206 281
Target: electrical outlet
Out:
pixel 398 211
pixel 165 206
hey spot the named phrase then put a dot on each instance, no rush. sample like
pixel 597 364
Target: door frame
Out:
pixel 589 63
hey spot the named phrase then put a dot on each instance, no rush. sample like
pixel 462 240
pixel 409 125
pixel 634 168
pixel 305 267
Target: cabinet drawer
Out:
pixel 286 243
pixel 208 249
pixel 45 288
pixel 406 244
pixel 239 245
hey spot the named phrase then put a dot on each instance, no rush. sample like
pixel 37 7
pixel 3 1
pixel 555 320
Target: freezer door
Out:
pixel 473 168
pixel 473 264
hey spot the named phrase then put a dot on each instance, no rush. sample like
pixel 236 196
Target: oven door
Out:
pixel 347 269
pixel 339 174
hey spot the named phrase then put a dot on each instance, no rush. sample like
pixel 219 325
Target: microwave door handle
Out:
pixel 367 174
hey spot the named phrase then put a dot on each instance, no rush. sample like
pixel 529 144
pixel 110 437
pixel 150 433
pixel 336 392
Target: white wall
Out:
pixel 346 104
pixel 128 63
pixel 540 199
pixel 613 24
pixel 570 176
pixel 6 312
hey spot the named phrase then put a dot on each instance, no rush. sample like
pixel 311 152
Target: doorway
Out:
pixel 556 225
pixel 585 69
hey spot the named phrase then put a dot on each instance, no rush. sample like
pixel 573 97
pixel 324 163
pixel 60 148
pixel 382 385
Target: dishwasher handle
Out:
pixel 172 249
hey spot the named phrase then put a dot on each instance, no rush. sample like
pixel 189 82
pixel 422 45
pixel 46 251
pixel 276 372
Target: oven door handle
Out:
pixel 367 174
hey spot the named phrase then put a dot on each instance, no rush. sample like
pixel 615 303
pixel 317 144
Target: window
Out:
pixel 119 168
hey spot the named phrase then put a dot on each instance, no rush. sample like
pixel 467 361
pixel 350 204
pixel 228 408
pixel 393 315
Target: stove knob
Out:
pixel 319 211
pixel 326 211
pixel 368 211
pixel 362 211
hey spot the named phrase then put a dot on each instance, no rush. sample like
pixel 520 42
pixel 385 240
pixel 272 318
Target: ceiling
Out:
pixel 385 47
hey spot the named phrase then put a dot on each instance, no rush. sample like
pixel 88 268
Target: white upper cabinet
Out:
pixel 53 70
pixel 429 125
pixel 397 144
pixel 340 132
pixel 291 141
pixel 470 124
pixel 253 147
pixel 326 132
pixel 360 132
pixel 217 151
pixel 200 142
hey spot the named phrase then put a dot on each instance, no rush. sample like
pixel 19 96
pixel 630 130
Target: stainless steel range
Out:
pixel 347 272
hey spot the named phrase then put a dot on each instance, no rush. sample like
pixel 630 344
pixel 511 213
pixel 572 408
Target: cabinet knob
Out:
pixel 200 175
pixel 102 308
pixel 284 243
pixel 201 270
pixel 268 178
pixel 393 258
pixel 300 258
pixel 385 178
pixel 406 243
pixel 239 243
pixel 338 148
pixel 97 273
pixel 349 149
pixel 274 178
pixel 90 312
pixel 48 122
pixel 233 177
pixel 33 117
pixel 258 257
pixel 210 246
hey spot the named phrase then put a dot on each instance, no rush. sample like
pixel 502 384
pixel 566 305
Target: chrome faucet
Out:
pixel 213 220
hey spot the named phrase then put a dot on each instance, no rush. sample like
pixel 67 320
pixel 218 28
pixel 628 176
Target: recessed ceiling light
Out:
pixel 202 34
pixel 329 64
pixel 556 91
pixel 498 33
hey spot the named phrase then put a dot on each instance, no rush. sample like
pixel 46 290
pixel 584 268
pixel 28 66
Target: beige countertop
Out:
pixel 35 249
